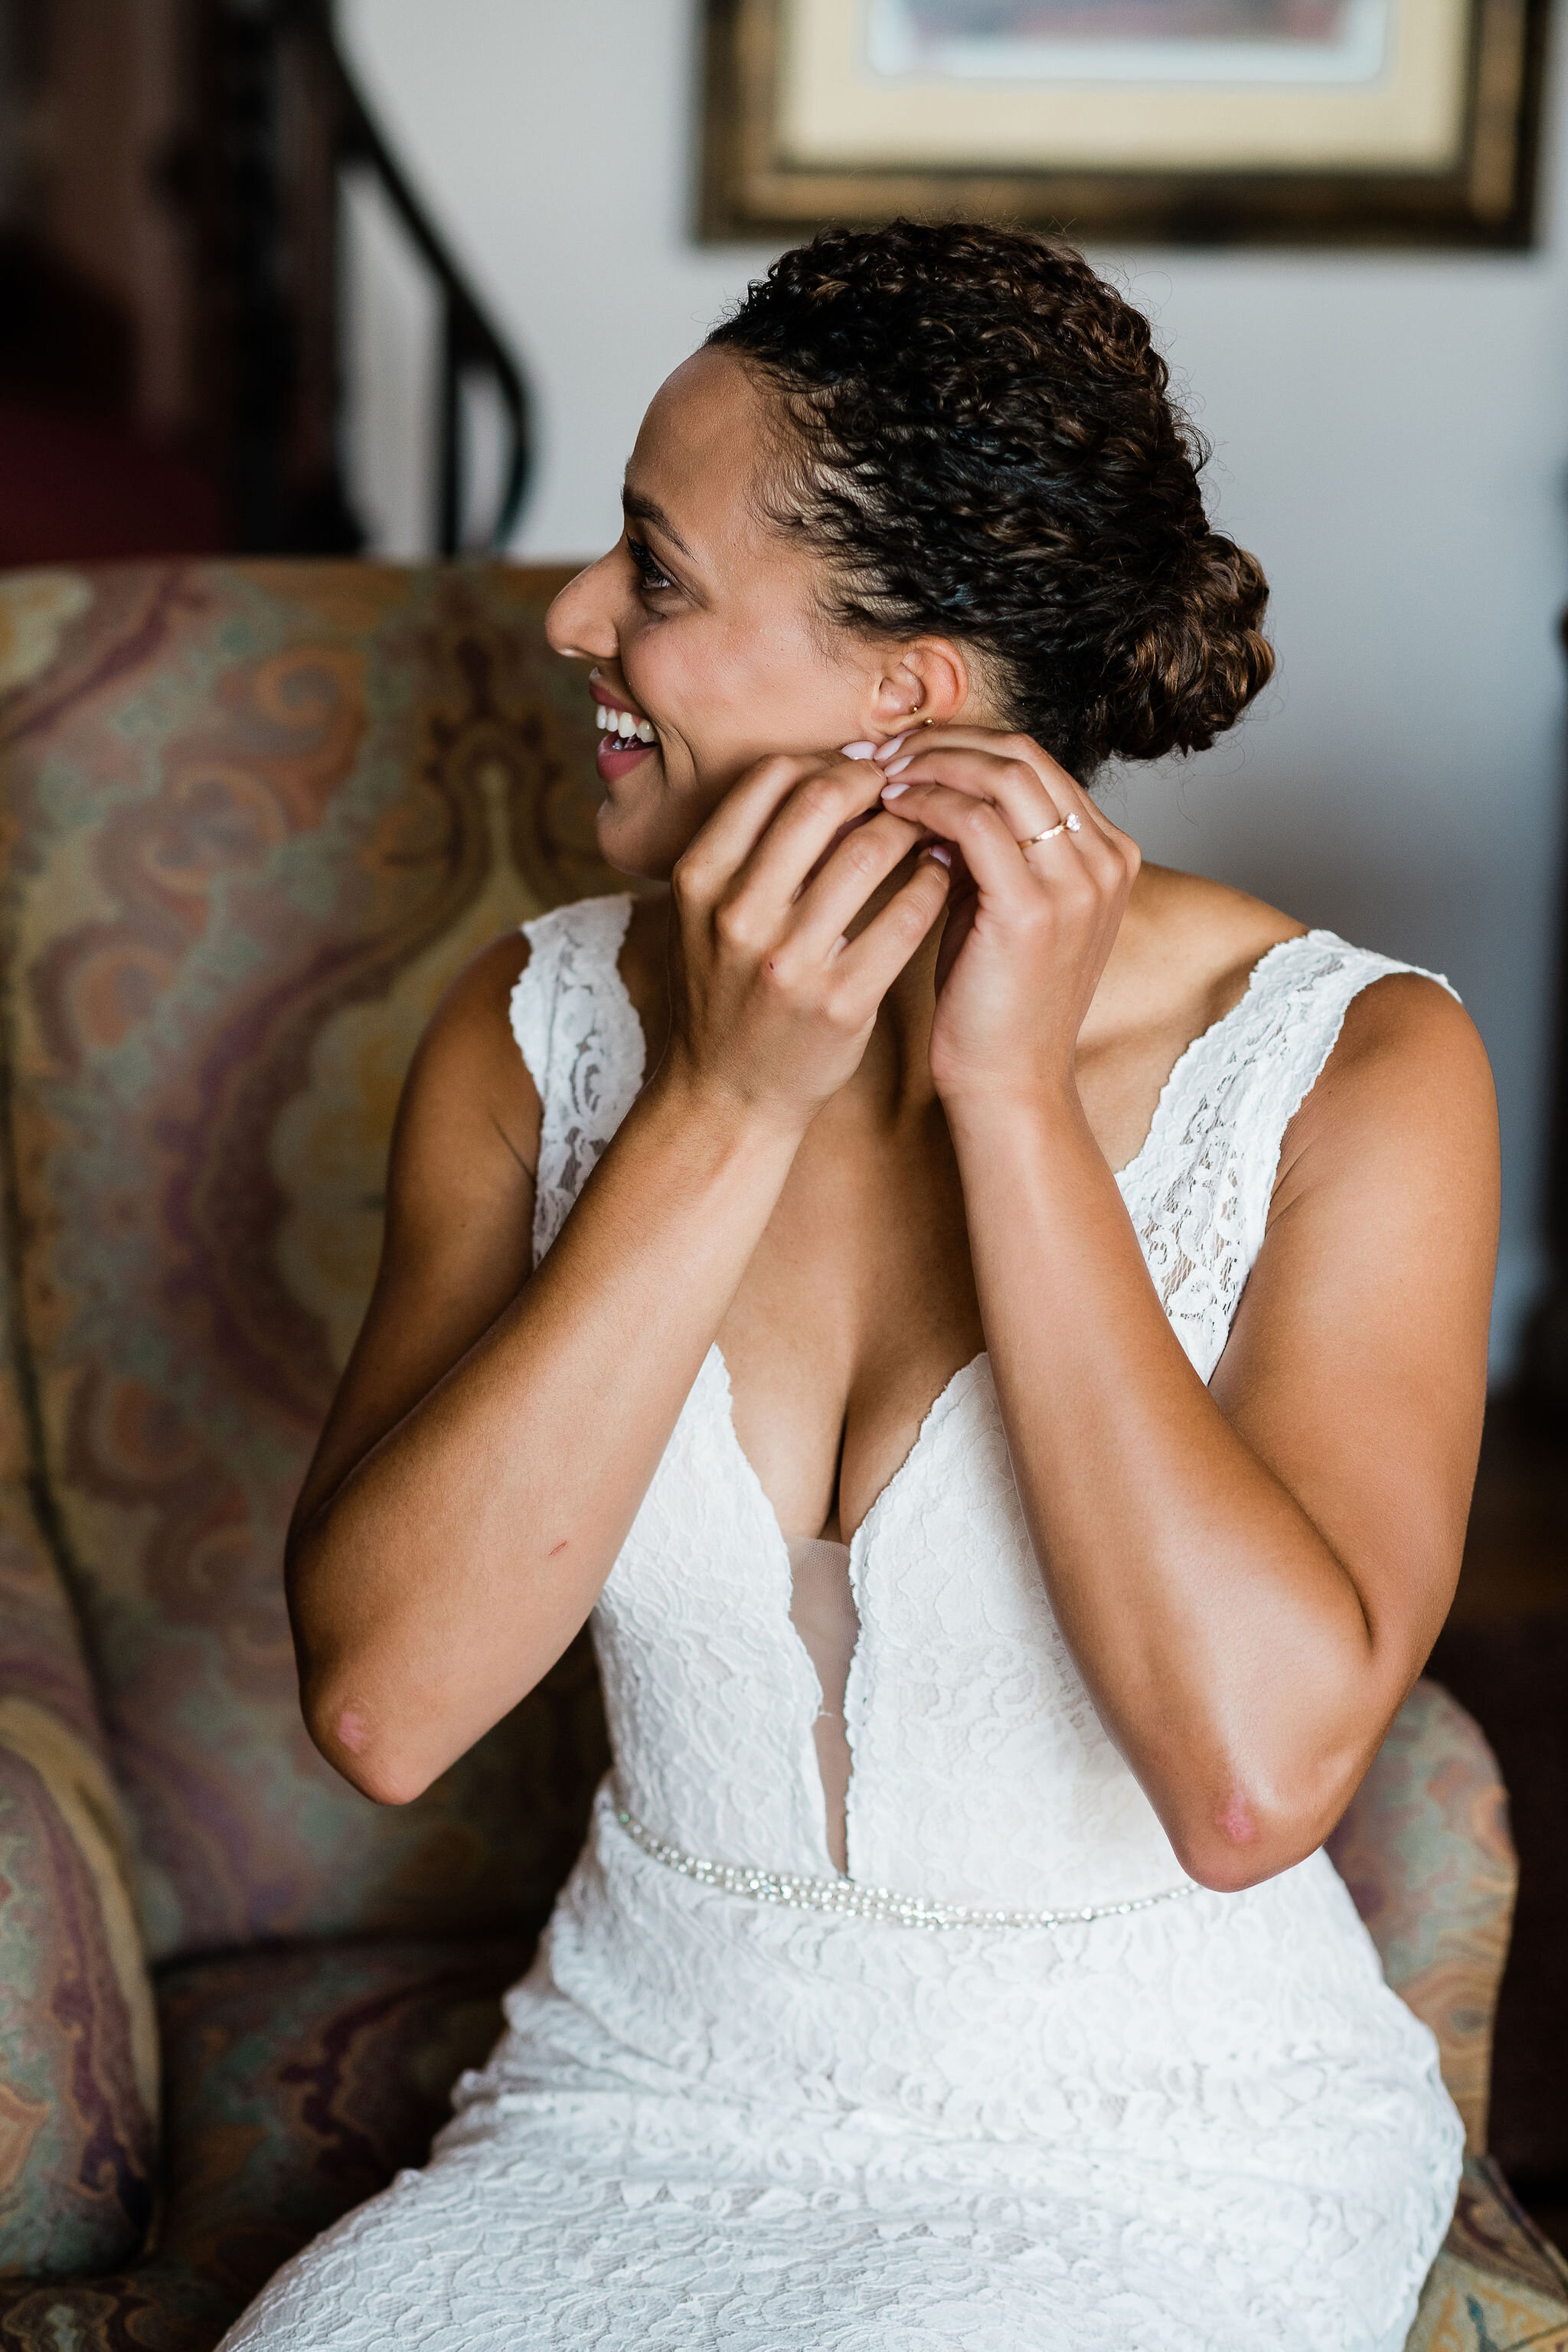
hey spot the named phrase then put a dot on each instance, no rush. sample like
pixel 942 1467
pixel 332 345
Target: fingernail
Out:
pixel 886 750
pixel 899 765
pixel 858 752
pixel 891 792
pixel 940 851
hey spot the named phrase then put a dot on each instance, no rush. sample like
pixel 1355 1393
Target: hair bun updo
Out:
pixel 978 433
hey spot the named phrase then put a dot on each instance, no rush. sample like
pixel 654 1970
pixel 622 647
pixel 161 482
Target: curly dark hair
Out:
pixel 980 434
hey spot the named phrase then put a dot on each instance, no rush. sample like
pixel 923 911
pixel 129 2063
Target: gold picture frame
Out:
pixel 801 126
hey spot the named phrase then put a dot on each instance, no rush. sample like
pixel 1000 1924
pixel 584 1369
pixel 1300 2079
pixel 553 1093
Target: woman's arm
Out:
pixel 496 1433
pixel 1250 1575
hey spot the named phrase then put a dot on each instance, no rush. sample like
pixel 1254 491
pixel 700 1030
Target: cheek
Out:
pixel 726 697
pixel 679 674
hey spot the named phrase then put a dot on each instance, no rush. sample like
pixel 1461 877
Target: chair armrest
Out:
pixel 1426 1852
pixel 78 2049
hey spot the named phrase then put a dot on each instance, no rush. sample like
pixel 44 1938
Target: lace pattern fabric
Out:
pixel 1204 2124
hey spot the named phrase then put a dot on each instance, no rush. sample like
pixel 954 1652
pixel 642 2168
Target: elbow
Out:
pixel 1240 1842
pixel 348 1735
pixel 1224 1871
pixel 351 1719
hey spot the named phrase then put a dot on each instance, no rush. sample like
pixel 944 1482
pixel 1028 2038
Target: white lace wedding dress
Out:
pixel 1014 2084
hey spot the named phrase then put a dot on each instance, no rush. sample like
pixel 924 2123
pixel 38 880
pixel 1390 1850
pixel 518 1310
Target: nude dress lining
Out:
pixel 822 1609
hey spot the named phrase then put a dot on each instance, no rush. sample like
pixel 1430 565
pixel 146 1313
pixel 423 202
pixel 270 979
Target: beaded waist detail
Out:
pixel 846 1898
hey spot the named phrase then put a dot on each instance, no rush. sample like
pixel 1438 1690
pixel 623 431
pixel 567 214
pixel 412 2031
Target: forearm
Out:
pixel 455 1562
pixel 1224 1643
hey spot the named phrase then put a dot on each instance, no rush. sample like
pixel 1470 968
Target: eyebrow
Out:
pixel 647 510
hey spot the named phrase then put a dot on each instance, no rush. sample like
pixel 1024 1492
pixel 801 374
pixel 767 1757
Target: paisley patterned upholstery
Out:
pixel 257 817
pixel 260 817
pixel 78 2050
pixel 300 2081
pixel 1425 1852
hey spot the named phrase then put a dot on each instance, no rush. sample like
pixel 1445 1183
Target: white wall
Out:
pixel 1391 437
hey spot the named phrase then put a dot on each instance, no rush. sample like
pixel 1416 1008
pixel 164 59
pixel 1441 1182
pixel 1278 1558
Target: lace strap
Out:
pixel 1268 1059
pixel 1302 1013
pixel 582 1042
pixel 1199 1192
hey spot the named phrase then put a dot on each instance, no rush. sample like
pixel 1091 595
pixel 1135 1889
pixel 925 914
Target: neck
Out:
pixel 893 1082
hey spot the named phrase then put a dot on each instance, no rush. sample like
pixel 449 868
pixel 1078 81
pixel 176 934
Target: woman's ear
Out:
pixel 926 683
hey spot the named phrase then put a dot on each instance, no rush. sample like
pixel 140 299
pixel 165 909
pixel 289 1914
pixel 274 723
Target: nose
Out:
pixel 580 621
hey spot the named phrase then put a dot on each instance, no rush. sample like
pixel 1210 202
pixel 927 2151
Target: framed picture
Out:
pixel 1213 122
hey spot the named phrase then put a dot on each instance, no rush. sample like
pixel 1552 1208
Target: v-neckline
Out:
pixel 889 1486
pixel 858 1548
pixel 936 1411
pixel 1124 1177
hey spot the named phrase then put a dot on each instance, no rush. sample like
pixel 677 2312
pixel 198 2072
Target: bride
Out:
pixel 994 1334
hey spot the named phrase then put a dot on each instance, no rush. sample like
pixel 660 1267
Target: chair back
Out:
pixel 1426 1852
pixel 258 816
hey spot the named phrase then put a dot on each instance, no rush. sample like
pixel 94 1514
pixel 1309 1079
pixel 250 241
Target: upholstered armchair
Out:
pixel 256 817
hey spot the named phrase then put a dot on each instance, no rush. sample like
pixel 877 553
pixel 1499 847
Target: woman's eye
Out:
pixel 648 570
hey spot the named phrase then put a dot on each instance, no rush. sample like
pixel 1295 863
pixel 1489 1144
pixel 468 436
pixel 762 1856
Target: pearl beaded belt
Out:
pixel 843 1898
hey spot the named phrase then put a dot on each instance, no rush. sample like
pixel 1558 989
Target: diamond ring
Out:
pixel 1071 823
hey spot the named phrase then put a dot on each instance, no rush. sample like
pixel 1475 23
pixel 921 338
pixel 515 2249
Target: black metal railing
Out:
pixel 468 343
pixel 278 121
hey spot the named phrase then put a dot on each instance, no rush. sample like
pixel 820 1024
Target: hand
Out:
pixel 1028 929
pixel 770 1004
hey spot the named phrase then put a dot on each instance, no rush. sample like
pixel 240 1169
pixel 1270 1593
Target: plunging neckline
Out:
pixel 864 1535
pixel 1124 1177
pixel 858 1548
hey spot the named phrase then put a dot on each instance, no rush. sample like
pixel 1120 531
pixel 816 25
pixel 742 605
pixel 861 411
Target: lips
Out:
pixel 625 736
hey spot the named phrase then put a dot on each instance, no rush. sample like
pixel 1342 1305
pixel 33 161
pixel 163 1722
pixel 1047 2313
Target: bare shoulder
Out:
pixel 1408 1075
pixel 1368 1308
pixel 460 1212
pixel 1189 949
pixel 1207 936
pixel 1408 1078
pixel 469 1084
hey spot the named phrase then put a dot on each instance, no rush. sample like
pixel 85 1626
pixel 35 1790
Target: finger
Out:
pixel 729 834
pixel 1030 808
pixel 805 827
pixel 1063 788
pixel 860 865
pixel 979 828
pixel 1000 744
pixel 870 965
pixel 1012 784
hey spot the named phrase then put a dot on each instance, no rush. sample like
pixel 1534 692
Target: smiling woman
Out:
pixel 993 1334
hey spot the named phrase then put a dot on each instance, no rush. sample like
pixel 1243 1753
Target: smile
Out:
pixel 624 723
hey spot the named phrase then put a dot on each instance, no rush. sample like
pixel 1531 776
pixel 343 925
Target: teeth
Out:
pixel 610 721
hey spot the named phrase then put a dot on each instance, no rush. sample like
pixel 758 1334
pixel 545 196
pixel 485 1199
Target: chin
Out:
pixel 631 840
